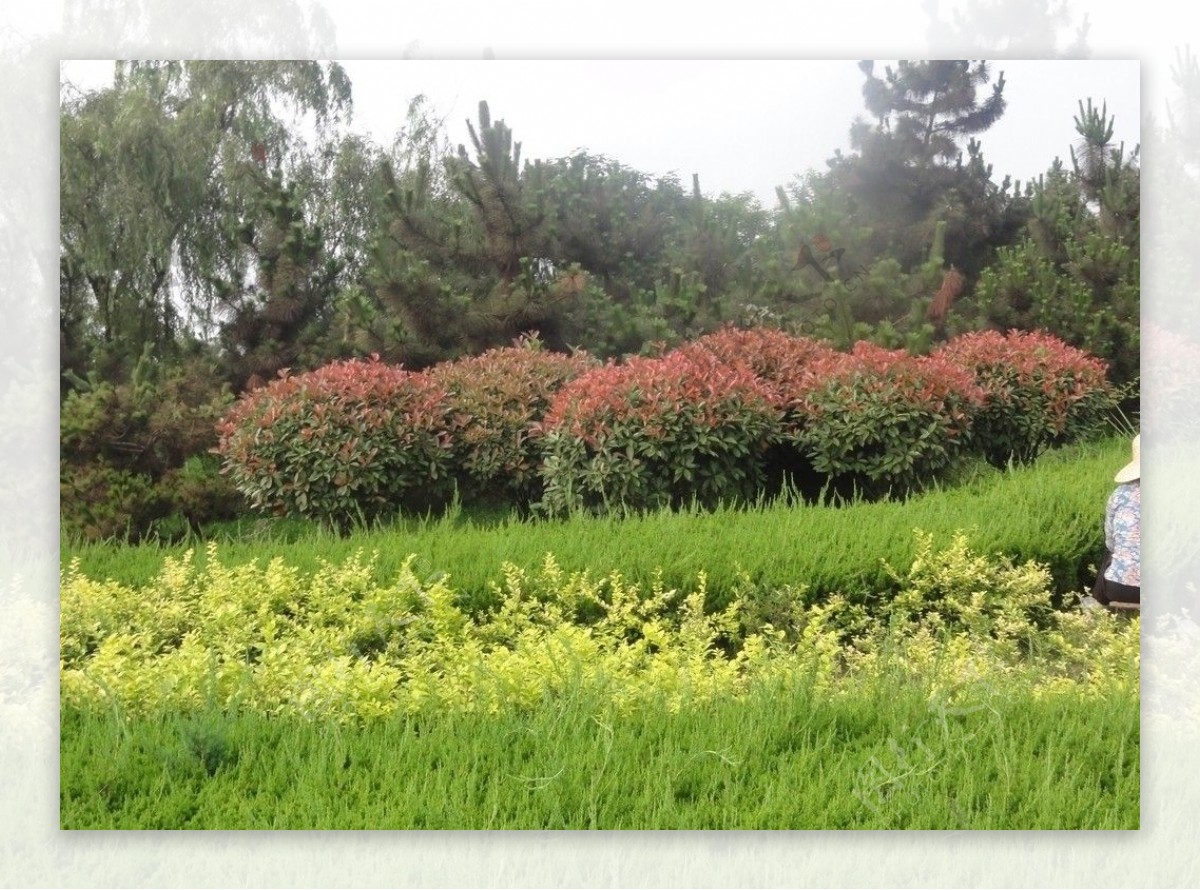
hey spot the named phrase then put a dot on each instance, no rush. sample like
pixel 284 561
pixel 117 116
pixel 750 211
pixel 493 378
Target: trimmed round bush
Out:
pixel 1040 391
pixel 784 362
pixel 352 440
pixel 877 420
pixel 657 432
pixel 494 401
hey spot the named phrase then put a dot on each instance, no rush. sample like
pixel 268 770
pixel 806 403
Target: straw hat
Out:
pixel 1133 469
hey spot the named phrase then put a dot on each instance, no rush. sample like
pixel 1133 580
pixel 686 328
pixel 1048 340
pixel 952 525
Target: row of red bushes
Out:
pixel 729 416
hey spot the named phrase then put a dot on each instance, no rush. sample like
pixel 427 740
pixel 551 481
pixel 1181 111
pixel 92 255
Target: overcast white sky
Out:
pixel 741 125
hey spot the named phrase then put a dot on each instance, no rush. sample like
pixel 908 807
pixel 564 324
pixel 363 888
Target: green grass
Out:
pixel 882 759
pixel 1051 512
pixel 878 755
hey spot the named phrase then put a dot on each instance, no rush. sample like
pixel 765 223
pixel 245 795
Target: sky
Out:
pixel 742 125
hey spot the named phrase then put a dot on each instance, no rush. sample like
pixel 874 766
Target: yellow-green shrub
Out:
pixel 339 645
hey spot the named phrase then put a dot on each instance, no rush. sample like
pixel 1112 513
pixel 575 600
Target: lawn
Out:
pixel 888 665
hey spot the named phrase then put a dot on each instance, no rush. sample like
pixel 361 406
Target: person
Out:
pixel 1119 580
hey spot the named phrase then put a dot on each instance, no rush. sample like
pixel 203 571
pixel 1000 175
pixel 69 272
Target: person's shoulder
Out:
pixel 1126 492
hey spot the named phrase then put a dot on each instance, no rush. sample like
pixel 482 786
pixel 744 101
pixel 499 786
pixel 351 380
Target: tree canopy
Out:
pixel 218 220
pixel 153 194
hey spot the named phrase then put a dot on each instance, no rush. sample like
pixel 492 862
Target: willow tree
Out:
pixel 152 195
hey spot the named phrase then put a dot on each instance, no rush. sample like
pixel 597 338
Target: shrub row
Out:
pixel 358 439
pixel 340 646
pixel 729 417
pixel 737 413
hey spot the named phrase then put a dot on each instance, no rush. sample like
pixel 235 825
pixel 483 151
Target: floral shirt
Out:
pixel 1123 534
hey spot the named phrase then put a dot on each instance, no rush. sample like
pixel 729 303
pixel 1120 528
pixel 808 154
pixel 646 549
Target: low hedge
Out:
pixel 729 418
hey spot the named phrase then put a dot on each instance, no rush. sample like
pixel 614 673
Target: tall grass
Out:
pixel 880 758
pixel 887 749
pixel 1051 512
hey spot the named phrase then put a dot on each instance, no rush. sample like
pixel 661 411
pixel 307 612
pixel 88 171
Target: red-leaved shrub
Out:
pixel 1041 392
pixel 655 432
pixel 494 401
pixel 352 439
pixel 787 365
pixel 882 420
pixel 784 362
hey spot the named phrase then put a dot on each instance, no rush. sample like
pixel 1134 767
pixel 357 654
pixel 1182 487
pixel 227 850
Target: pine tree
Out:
pixel 910 173
pixel 928 107
pixel 468 269
pixel 279 321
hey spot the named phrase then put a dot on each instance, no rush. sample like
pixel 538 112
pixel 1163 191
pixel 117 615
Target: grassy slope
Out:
pixel 872 759
pixel 1051 512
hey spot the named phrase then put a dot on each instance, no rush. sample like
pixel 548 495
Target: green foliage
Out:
pixel 1089 298
pixel 1040 392
pixel 1076 273
pixel 833 275
pixel 909 174
pixel 352 440
pixel 100 502
pixel 184 179
pixel 282 320
pixel 929 105
pixel 612 220
pixel 339 647
pixel 955 590
pixel 876 420
pixel 657 432
pixel 610 328
pixel 150 197
pixel 471 271
pixel 133 455
pixel 778 758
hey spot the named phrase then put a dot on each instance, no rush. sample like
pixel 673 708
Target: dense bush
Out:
pixel 1086 292
pixel 657 432
pixel 957 590
pixel 354 439
pixel 100 502
pixel 784 362
pixel 1040 391
pixel 493 402
pixel 879 420
pixel 133 456
pixel 870 419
